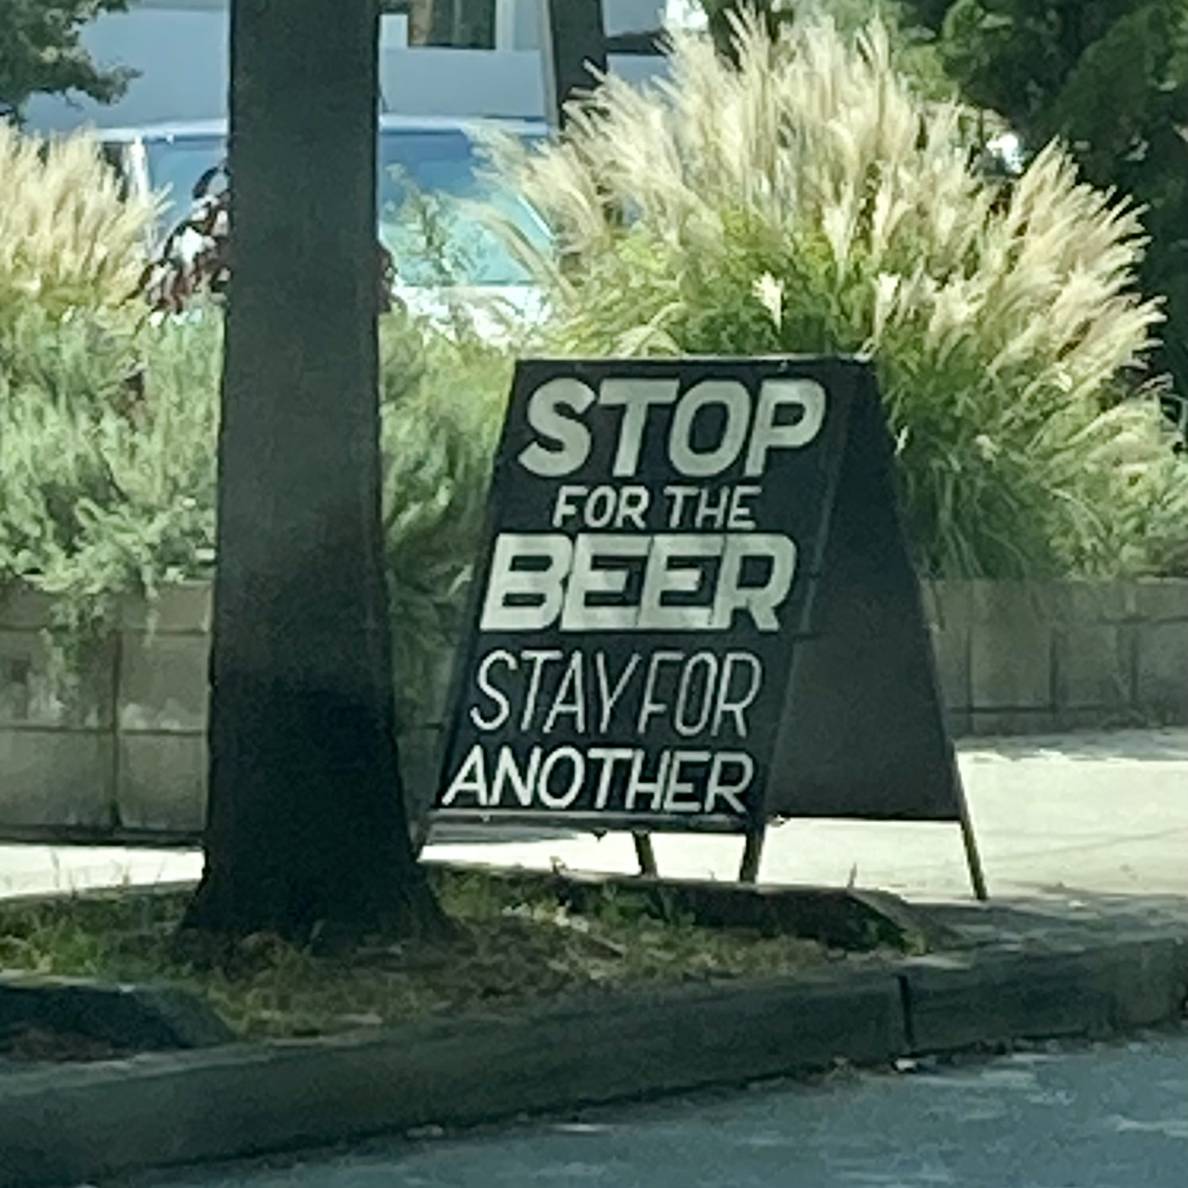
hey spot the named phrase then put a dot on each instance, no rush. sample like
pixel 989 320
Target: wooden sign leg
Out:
pixel 752 852
pixel 645 855
pixel 973 859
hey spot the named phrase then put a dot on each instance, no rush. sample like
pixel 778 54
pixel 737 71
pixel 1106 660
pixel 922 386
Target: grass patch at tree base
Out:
pixel 513 943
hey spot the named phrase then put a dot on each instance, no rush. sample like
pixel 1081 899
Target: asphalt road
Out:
pixel 1109 1116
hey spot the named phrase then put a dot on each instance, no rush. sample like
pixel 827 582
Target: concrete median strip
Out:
pixel 999 997
pixel 63 1125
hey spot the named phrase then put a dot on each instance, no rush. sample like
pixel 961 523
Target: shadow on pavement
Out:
pixel 468 835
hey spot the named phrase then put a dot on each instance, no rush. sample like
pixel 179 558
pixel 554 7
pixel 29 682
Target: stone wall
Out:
pixel 122 750
pixel 1028 658
pixel 124 754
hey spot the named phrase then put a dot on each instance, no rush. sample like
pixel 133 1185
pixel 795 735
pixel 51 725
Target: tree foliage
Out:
pixel 41 51
pixel 1110 79
pixel 912 39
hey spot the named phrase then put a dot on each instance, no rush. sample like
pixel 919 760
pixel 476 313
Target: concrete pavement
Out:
pixel 35 869
pixel 1109 1116
pixel 1102 813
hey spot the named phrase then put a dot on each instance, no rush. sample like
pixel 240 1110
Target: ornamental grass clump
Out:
pixel 797 196
pixel 71 251
pixel 69 241
pixel 109 421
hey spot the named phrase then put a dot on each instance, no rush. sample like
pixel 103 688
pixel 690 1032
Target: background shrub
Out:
pixel 442 400
pixel 109 421
pixel 794 197
pixel 109 490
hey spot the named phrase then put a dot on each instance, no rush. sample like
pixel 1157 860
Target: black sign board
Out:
pixel 695 608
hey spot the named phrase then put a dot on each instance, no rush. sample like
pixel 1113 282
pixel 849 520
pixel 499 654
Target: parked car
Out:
pixel 439 159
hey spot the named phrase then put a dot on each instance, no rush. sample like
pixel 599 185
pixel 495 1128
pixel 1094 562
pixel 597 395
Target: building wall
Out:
pixel 180 48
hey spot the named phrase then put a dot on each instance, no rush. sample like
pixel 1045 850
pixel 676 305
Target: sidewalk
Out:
pixel 1098 813
pixel 1102 813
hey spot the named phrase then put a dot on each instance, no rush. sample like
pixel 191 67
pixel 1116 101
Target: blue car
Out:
pixel 438 158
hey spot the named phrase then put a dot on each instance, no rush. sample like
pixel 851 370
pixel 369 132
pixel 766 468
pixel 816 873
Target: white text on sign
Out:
pixel 758 427
pixel 542 580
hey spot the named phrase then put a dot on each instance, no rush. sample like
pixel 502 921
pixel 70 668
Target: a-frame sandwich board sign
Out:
pixel 695 608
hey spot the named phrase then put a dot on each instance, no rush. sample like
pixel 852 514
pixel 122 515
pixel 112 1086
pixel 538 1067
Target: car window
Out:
pixel 435 171
pixel 429 182
pixel 174 167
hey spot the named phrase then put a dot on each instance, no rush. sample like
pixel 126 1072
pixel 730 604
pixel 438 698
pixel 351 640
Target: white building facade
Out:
pixel 180 50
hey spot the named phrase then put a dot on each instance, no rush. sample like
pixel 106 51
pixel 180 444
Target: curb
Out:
pixel 64 1125
pixel 143 1018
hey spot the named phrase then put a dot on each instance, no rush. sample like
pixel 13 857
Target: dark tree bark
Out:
pixel 575 39
pixel 306 826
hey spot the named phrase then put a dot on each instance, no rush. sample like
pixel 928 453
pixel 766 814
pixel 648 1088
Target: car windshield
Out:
pixel 175 165
pixel 428 181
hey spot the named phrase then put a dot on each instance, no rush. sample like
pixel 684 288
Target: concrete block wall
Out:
pixel 122 749
pixel 1032 657
pixel 57 754
pixel 123 753
pixel 160 719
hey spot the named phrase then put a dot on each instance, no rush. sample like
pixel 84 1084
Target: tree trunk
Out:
pixel 306 826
